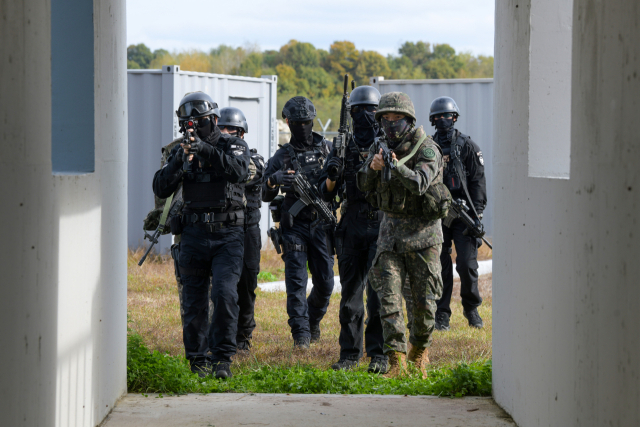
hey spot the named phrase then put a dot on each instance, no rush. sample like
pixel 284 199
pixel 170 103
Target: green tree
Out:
pixel 139 54
pixel 287 79
pixel 298 55
pixel 370 63
pixel 252 65
pixel 315 82
pixel 418 53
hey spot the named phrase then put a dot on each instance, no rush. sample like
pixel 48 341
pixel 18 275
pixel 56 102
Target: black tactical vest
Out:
pixel 452 153
pixel 203 189
pixel 309 162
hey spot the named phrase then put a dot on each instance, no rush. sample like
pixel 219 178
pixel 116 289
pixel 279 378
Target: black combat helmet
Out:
pixel 364 95
pixel 299 109
pixel 443 104
pixel 231 116
pixel 196 105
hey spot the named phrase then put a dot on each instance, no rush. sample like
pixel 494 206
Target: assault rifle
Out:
pixel 458 210
pixel 310 196
pixel 344 133
pixel 187 124
pixel 387 156
pixel 174 206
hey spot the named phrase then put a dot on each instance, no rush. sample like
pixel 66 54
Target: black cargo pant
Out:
pixel 249 282
pixel 358 232
pixel 202 253
pixel 303 243
pixel 466 266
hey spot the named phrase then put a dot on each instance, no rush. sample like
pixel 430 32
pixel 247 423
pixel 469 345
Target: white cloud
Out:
pixel 383 26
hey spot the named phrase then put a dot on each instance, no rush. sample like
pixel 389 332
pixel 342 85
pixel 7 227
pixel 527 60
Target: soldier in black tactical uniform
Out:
pixel 233 122
pixel 212 169
pixel 303 237
pixel 356 237
pixel 464 177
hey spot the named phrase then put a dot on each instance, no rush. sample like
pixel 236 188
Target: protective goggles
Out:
pixel 443 115
pixel 196 108
pixel 231 129
pixel 369 108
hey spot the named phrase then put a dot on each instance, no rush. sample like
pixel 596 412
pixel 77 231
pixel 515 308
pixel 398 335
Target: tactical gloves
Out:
pixel 282 178
pixel 334 168
pixel 201 148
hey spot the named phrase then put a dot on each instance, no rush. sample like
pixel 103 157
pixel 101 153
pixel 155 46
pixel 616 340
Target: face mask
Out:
pixel 204 127
pixel 444 128
pixel 365 127
pixel 395 131
pixel 301 134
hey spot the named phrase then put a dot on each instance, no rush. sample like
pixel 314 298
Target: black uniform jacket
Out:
pixel 473 162
pixel 230 159
pixel 279 160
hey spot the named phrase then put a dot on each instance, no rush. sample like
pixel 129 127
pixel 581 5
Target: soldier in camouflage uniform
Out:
pixel 410 238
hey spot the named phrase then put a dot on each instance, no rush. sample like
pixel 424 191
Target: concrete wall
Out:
pixel 566 337
pixel 63 293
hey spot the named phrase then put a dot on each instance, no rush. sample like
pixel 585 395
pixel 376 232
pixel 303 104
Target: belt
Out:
pixel 236 217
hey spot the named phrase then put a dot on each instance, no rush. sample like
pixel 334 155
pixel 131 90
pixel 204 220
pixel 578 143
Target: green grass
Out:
pixel 153 372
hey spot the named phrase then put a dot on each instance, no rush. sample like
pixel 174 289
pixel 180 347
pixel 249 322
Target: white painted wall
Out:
pixel 63 262
pixel 566 341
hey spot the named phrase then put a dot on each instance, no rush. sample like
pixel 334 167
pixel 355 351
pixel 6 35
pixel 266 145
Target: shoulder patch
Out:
pixel 429 153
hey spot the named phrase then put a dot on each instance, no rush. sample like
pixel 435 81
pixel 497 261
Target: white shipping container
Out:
pixel 153 97
pixel 474 98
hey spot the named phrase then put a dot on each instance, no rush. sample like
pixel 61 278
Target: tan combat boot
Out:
pixel 419 356
pixel 397 364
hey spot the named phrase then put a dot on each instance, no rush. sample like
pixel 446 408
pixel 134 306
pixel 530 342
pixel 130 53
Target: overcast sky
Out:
pixel 383 26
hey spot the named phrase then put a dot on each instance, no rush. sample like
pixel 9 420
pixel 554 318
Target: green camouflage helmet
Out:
pixel 396 102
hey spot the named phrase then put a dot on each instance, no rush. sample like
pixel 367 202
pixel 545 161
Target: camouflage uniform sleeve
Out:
pixel 367 179
pixel 418 179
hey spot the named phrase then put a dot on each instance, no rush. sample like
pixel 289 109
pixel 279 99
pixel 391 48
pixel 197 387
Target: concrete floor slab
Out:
pixel 306 410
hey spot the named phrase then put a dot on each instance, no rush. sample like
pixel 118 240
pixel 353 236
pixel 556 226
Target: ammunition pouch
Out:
pixel 436 202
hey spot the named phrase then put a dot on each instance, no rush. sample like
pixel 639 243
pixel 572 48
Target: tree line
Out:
pixel 302 69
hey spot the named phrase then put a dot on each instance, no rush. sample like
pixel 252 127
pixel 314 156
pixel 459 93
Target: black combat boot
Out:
pixel 379 365
pixel 442 321
pixel 315 333
pixel 475 321
pixel 202 369
pixel 344 364
pixel 301 343
pixel 222 370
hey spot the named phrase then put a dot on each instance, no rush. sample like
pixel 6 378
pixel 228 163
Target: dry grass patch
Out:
pixel 154 312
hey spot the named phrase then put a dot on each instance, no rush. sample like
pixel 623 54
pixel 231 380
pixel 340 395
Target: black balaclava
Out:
pixel 301 133
pixel 209 132
pixel 365 127
pixel 444 130
pixel 205 126
pixel 395 131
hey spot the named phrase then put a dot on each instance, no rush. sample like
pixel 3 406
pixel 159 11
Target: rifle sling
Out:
pixel 413 152
pixel 463 178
